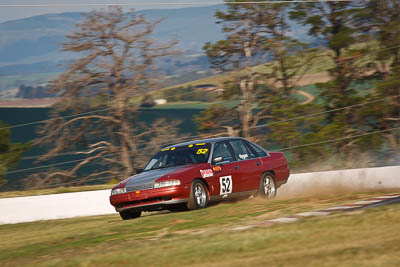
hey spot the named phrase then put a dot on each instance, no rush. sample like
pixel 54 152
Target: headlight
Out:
pixel 118 191
pixel 167 183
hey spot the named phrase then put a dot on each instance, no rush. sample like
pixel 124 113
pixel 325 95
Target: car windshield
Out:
pixel 180 155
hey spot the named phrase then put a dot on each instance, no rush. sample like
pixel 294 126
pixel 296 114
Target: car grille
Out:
pixel 140 187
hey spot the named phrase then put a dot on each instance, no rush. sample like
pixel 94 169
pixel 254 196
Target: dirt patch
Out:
pixel 309 96
pixel 309 79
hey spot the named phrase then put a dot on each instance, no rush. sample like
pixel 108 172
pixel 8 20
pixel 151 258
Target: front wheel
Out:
pixel 198 198
pixel 128 215
pixel 267 186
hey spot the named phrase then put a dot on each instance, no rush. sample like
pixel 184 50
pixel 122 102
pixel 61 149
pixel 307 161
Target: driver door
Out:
pixel 225 174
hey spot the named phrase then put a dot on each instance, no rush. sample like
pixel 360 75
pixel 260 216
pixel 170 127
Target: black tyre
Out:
pixel 267 187
pixel 199 195
pixel 128 215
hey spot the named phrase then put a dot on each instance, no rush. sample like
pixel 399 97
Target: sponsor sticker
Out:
pixel 217 168
pixel 206 173
pixel 243 156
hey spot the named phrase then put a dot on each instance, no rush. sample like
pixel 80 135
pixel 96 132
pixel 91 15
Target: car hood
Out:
pixel 145 180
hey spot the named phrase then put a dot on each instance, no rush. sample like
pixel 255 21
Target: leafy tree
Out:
pixel 10 153
pixel 385 115
pixel 335 22
pixel 382 17
pixel 255 32
pixel 242 45
pixel 216 117
pixel 338 24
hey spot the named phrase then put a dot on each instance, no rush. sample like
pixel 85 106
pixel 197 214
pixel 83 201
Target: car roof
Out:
pixel 209 140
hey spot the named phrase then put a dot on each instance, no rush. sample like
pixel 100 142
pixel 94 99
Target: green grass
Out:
pixel 203 237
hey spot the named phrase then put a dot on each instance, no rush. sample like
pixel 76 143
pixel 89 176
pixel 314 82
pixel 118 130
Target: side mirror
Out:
pixel 217 160
pixel 139 171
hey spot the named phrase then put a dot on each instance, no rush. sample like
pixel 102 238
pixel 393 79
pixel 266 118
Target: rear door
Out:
pixel 247 166
pixel 257 154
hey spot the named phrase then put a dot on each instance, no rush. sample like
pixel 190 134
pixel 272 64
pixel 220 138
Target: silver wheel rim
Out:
pixel 200 195
pixel 269 187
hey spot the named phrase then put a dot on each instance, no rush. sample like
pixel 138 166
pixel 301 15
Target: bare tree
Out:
pixel 160 133
pixel 117 57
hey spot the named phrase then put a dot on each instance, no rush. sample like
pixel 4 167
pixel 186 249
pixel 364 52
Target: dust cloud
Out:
pixel 320 189
pixel 338 182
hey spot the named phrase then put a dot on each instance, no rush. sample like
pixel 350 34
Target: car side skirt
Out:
pixel 233 195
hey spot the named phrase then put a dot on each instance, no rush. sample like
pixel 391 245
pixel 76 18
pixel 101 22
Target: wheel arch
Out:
pixel 269 171
pixel 204 181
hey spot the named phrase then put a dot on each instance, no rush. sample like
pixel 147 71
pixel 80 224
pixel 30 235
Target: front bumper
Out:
pixel 151 199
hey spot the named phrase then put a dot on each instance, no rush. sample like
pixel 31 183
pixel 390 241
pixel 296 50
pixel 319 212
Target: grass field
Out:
pixel 316 73
pixel 368 237
pixel 320 66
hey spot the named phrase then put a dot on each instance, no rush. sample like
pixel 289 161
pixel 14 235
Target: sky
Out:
pixel 12 13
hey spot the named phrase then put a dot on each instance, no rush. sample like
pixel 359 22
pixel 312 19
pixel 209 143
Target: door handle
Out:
pixel 236 167
pixel 258 163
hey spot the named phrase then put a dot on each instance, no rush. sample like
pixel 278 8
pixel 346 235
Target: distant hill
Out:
pixel 37 39
pixel 32 45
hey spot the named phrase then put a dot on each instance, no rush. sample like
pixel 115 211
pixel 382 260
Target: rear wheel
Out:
pixel 267 185
pixel 198 198
pixel 128 215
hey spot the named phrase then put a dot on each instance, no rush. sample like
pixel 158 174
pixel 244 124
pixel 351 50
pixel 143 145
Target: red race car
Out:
pixel 195 173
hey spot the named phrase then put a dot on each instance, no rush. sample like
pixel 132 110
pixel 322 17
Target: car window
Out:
pixel 178 156
pixel 240 149
pixel 222 150
pixel 251 151
pixel 258 151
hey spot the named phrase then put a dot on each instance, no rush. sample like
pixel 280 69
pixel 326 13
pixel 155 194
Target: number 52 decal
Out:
pixel 226 184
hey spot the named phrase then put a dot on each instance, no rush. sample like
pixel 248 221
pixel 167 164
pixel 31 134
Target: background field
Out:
pixel 204 237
